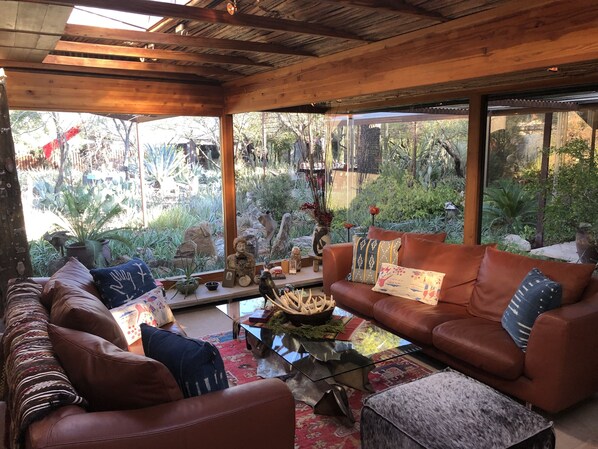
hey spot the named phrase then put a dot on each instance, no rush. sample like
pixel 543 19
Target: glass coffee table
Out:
pixel 317 370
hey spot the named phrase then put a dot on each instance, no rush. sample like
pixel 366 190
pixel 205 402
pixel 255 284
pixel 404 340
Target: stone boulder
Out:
pixel 197 241
pixel 517 242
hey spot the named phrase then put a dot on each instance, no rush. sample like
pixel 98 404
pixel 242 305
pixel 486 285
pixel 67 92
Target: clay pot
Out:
pixel 187 286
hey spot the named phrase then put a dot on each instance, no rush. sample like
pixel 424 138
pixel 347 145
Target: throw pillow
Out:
pixel 368 257
pixel 461 264
pixel 150 308
pixel 387 234
pixel 35 381
pixel 124 282
pixel 419 285
pixel 77 309
pixel 536 294
pixel 501 272
pixel 108 377
pixel 72 273
pixel 196 365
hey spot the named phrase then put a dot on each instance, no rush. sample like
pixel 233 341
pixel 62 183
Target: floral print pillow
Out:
pixel 410 283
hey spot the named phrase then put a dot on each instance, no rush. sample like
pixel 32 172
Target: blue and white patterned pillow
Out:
pixel 122 283
pixel 536 294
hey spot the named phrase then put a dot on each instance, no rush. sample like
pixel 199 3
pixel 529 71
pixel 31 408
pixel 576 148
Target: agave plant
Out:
pixel 508 206
pixel 163 165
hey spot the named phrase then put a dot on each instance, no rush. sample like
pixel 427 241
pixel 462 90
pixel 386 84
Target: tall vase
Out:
pixel 321 238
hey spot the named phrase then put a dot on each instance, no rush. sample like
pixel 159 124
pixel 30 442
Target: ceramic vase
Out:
pixel 321 238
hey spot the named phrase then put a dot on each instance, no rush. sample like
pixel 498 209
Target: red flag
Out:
pixel 51 146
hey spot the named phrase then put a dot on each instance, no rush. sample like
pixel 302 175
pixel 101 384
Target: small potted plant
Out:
pixel 189 283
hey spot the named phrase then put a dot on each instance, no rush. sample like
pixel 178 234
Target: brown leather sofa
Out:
pixel 464 331
pixel 253 415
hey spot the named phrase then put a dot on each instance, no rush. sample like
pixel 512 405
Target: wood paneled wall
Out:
pixel 516 36
pixel 55 92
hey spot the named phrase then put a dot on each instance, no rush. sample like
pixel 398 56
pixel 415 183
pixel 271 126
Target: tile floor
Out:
pixel 576 428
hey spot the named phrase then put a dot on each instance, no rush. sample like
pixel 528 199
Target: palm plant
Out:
pixel 509 207
pixel 84 215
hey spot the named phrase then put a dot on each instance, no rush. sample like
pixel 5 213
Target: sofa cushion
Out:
pixel 387 234
pixel 413 319
pixel 501 273
pixel 150 308
pixel 73 273
pixel 77 309
pixel 36 382
pixel 356 297
pixel 536 294
pixel 481 343
pixel 460 263
pixel 196 365
pixel 368 256
pixel 123 282
pixel 410 283
pixel 108 377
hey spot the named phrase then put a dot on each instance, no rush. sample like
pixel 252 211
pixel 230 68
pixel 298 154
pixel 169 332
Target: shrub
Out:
pixel 508 208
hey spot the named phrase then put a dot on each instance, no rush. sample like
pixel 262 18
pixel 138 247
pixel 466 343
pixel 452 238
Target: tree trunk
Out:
pixel 14 250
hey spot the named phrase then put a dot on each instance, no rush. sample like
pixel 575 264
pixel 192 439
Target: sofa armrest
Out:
pixel 243 416
pixel 336 263
pixel 562 352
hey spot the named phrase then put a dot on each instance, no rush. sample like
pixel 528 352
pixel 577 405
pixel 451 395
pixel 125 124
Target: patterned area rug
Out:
pixel 317 431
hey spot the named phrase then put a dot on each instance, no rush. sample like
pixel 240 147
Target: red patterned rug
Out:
pixel 317 431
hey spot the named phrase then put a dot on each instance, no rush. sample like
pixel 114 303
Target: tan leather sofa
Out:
pixel 560 366
pixel 253 415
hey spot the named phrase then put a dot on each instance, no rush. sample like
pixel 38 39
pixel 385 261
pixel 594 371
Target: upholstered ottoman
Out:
pixel 447 410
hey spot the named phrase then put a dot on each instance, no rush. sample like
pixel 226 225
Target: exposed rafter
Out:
pixel 183 41
pixel 152 8
pixel 169 55
pixel 395 6
pixel 140 66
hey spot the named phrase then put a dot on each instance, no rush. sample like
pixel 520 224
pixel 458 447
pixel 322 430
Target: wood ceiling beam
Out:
pixel 394 6
pixel 138 66
pixel 153 8
pixel 169 55
pixel 182 41
pixel 541 34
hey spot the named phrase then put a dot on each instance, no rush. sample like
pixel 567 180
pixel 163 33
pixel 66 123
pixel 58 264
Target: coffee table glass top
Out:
pixel 362 345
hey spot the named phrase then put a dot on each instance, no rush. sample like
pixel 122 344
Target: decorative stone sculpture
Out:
pixel 242 262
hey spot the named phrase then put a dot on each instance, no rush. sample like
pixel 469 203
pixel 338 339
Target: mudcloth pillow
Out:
pixel 150 308
pixel 410 283
pixel 536 294
pixel 196 365
pixel 368 257
pixel 122 283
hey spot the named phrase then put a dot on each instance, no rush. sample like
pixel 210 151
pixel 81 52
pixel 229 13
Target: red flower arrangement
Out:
pixel 322 216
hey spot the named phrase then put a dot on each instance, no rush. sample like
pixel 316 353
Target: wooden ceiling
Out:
pixel 278 41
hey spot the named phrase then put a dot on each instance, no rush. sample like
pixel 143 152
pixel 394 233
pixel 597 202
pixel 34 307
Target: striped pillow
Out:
pixel 536 294
pixel 368 257
pixel 36 382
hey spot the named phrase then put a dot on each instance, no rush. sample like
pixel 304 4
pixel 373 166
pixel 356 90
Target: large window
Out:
pixel 159 180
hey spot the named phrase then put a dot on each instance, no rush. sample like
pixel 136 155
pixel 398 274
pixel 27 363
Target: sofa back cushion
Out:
pixel 387 234
pixel 501 273
pixel 108 377
pixel 77 309
pixel 459 263
pixel 73 273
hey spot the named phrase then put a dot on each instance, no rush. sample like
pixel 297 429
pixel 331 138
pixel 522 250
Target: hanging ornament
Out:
pixel 231 7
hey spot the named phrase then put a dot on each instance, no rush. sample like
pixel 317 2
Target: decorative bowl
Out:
pixel 315 319
pixel 212 285
pixel 305 308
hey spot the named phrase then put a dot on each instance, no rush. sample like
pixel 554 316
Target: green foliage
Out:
pixel 509 208
pixel 42 254
pixel 85 214
pixel 176 217
pixel 503 154
pixel 163 165
pixel 401 199
pixel 573 193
